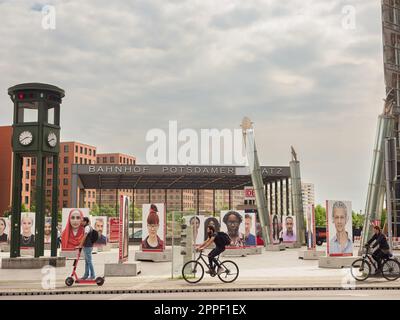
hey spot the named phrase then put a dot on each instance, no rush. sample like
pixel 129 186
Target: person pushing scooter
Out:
pixel 87 246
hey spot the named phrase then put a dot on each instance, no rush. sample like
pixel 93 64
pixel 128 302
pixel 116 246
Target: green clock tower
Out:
pixel 36 133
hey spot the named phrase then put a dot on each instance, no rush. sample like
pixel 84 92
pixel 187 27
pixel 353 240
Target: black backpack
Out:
pixel 222 239
pixel 93 235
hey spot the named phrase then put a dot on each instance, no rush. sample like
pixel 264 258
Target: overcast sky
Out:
pixel 130 66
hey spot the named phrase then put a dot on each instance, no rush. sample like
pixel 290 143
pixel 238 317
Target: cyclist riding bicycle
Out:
pixel 383 250
pixel 218 239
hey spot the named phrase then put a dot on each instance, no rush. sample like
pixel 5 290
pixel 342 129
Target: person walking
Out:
pixel 87 246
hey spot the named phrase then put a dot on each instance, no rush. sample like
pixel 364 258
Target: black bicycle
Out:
pixel 193 270
pixel 361 269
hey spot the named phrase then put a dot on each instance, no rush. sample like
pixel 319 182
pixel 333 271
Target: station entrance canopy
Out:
pixel 169 176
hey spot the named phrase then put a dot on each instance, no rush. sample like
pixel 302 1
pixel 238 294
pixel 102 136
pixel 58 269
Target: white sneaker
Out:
pixel 220 271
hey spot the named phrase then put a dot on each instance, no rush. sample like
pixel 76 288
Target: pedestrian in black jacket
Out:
pixel 383 249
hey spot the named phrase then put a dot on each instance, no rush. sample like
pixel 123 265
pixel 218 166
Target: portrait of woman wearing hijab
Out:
pixel 73 232
pixel 27 236
pixel 153 241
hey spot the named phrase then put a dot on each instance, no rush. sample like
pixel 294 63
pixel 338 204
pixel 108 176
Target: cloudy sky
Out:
pixel 291 66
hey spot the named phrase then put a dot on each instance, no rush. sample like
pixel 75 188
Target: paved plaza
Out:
pixel 268 271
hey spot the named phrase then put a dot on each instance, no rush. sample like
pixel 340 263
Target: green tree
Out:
pixel 358 220
pixel 383 218
pixel 320 216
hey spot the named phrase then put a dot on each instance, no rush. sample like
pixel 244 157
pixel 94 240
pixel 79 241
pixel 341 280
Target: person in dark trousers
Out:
pixel 219 248
pixel 87 245
pixel 383 249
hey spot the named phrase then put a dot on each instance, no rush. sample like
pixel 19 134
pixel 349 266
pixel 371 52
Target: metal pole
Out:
pixel 181 199
pixel 40 207
pixel 198 202
pixel 213 202
pixel 230 199
pixel 116 203
pixel 54 209
pixel 390 175
pixel 16 207
pixel 133 214
pixel 257 179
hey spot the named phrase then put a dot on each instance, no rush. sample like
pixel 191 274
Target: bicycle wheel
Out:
pixel 193 271
pixel 360 269
pixel 391 270
pixel 230 271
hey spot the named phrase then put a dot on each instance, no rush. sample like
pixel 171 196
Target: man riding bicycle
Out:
pixel 219 248
pixel 383 250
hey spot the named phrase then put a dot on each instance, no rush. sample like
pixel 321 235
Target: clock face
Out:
pixel 52 139
pixel 25 138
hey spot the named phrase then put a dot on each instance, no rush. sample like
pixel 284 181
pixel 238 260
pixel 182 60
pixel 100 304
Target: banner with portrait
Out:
pixel 153 226
pixel 289 229
pixel 123 228
pixel 310 227
pixel 99 223
pixel 211 221
pixel 72 229
pixel 27 237
pixel 339 228
pixel 197 224
pixel 232 222
pixel 276 228
pixel 250 229
pixel 47 230
pixel 4 230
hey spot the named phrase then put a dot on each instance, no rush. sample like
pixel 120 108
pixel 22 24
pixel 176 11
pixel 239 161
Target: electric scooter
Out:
pixel 74 277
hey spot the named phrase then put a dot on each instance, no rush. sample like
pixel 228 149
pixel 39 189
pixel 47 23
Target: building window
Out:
pixel 33 161
pixel 27 175
pixel 85 150
pixel 50 160
pixel 120 159
pixel 27 187
pixel 90 152
pixel 81 149
pixel 33 172
pixel 112 159
pixel 65 193
pixel 33 182
pixel 89 204
pixel 76 159
pixel 65 159
pixel 65 204
pixel 80 160
pixel 26 200
pixel 76 149
pixel 65 181
pixel 66 170
pixel 66 149
pixel 48 182
pixel 28 162
pixel 94 153
pixel 98 159
pixel 104 159
pixel 85 161
pixel 49 171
